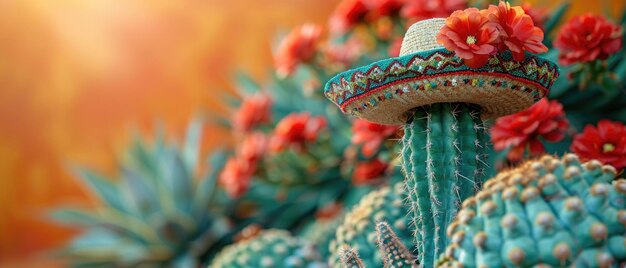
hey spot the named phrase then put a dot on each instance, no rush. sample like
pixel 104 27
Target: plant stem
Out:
pixel 444 163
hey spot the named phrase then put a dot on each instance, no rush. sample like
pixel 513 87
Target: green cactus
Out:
pixel 358 229
pixel 549 212
pixel 271 248
pixel 444 163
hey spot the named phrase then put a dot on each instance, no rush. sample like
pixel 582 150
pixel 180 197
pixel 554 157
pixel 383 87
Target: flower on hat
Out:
pixel 546 119
pixel 416 10
pixel 347 14
pixel 368 172
pixel 370 135
pixel 471 35
pixel 254 110
pixel 606 143
pixel 539 15
pixel 587 38
pixel 518 32
pixel 296 130
pixel 300 46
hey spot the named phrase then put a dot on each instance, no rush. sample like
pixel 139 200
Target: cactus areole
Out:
pixel 441 102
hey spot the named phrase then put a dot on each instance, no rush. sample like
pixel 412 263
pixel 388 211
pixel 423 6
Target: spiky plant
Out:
pixel 358 229
pixel 157 213
pixel 271 248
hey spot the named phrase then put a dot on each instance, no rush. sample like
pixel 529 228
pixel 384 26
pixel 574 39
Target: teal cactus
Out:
pixel 444 163
pixel 442 104
pixel 271 248
pixel 358 229
pixel 548 212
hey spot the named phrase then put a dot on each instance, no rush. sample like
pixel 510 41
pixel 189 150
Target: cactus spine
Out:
pixel 443 162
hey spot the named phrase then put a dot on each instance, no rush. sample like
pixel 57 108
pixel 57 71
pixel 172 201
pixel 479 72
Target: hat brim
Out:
pixel 385 91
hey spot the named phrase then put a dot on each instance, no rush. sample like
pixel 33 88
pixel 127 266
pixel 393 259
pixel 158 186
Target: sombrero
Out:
pixel 425 73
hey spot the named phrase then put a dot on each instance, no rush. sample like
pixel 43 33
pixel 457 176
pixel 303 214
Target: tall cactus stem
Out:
pixel 443 161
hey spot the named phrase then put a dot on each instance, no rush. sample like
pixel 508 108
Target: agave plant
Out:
pixel 157 213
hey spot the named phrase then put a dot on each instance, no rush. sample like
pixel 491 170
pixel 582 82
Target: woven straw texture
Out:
pixel 419 37
pixel 427 73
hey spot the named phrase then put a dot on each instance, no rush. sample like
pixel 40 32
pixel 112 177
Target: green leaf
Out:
pixel 206 189
pixel 103 187
pixel 191 149
pixel 180 182
pixel 109 219
pixel 555 18
pixel 245 84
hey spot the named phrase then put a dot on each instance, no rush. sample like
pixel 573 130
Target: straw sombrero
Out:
pixel 425 73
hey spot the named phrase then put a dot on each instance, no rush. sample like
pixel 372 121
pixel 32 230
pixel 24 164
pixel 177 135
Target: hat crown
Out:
pixel 422 36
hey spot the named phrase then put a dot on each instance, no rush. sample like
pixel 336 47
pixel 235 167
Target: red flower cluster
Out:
pixel 254 110
pixel 300 46
pixel 237 173
pixel 416 10
pixel 367 172
pixel 296 130
pixel 351 12
pixel 587 38
pixel 545 119
pixel 606 143
pixel 370 135
pixel 474 35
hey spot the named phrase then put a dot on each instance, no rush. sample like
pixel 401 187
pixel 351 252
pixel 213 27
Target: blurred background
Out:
pixel 78 78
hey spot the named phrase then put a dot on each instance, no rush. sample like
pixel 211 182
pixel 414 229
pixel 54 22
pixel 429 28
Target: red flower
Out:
pixel 545 119
pixel 518 32
pixel 300 46
pixel 340 56
pixel 384 8
pixel 588 38
pixel 368 172
pixel 471 35
pixel 254 110
pixel 236 176
pixel 394 48
pixel 416 10
pixel 253 147
pixel 370 135
pixel 296 130
pixel 606 143
pixel 539 15
pixel 347 14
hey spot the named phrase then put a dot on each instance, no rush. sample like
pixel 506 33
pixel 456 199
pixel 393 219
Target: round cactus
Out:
pixel 548 212
pixel 271 248
pixel 358 229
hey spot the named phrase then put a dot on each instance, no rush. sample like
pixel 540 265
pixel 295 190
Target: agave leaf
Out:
pixel 206 189
pixel 245 84
pixel 556 17
pixel 180 182
pixel 191 149
pixel 103 187
pixel 110 219
pixel 142 191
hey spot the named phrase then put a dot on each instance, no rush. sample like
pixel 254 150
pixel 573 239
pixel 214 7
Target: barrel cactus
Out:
pixel 442 103
pixel 547 213
pixel 358 229
pixel 270 248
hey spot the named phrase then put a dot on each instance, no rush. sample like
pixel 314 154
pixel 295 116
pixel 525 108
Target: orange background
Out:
pixel 78 77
